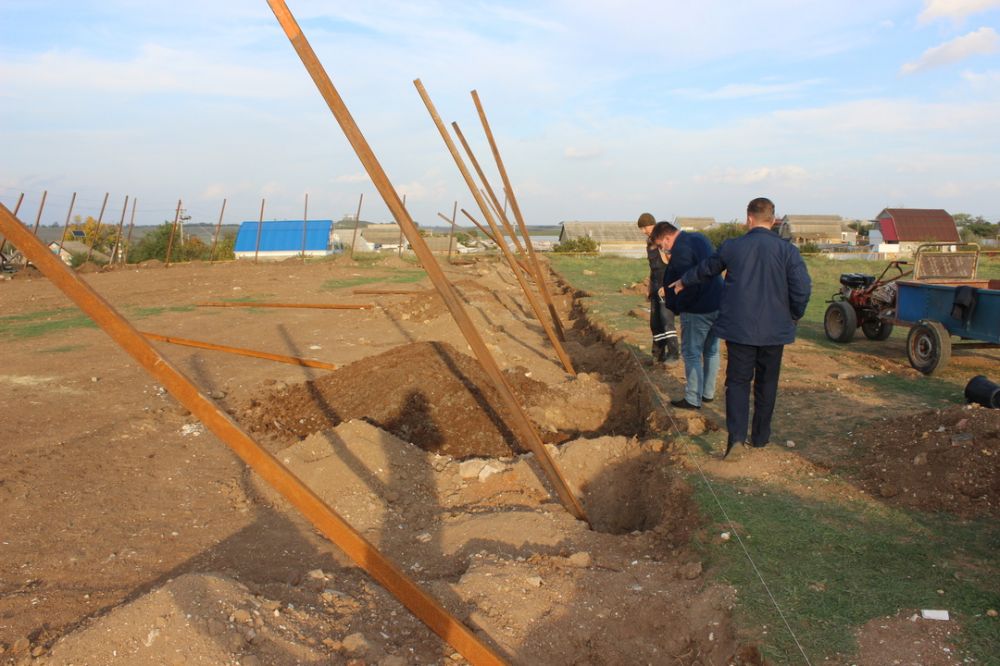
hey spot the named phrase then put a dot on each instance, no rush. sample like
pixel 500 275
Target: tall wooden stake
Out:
pixel 324 518
pixel 357 221
pixel 218 228
pixel 540 280
pixel 490 237
pixel 520 423
pixel 97 234
pixel 528 293
pixel 401 231
pixel 128 240
pixel 173 230
pixel 305 225
pixel 69 214
pixel 260 228
pixel 118 236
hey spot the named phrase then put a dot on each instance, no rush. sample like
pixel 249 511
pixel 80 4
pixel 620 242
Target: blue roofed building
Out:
pixel 280 239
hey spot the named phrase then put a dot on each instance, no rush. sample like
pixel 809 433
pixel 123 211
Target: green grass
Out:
pixel 610 274
pixel 142 312
pixel 62 349
pixel 34 324
pixel 399 277
pixel 833 567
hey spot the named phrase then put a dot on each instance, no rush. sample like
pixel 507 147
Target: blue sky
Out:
pixel 601 110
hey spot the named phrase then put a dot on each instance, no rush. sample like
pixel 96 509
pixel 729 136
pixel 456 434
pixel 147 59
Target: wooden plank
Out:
pixel 241 351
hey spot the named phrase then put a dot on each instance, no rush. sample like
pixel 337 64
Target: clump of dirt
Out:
pixel 150 263
pixel 641 287
pixel 938 460
pixel 426 393
pixel 421 307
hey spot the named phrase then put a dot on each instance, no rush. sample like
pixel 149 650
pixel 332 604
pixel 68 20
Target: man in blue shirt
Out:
pixel 698 307
pixel 766 291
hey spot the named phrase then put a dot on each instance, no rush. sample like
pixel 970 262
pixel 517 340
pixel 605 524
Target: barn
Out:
pixel 904 229
pixel 618 238
pixel 280 239
pixel 693 223
pixel 819 229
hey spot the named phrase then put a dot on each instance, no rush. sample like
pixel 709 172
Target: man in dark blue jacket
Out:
pixel 698 307
pixel 766 292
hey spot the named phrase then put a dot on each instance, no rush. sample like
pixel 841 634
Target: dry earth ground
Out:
pixel 131 535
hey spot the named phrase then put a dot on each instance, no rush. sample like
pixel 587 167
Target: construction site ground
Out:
pixel 131 535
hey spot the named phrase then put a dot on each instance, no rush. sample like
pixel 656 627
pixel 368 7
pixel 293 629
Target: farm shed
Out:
pixel 280 239
pixel 384 236
pixel 828 229
pixel 693 223
pixel 71 247
pixel 618 238
pixel 904 229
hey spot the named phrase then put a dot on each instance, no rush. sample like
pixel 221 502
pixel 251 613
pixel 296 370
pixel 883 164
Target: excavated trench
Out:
pixel 441 400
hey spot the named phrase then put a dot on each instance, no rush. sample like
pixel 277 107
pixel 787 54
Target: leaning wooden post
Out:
pixel 451 235
pixel 508 255
pixel 305 225
pixel 489 190
pixel 173 230
pixel 128 240
pixel 17 207
pixel 489 236
pixel 324 518
pixel 401 232
pixel 118 236
pixel 69 214
pixel 260 229
pixel 218 228
pixel 38 219
pixel 97 234
pixel 540 280
pixel 357 221
pixel 520 423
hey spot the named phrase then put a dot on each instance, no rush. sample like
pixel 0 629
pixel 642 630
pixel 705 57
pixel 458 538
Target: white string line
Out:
pixel 732 525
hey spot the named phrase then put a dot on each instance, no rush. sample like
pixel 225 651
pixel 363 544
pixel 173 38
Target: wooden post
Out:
pixel 305 225
pixel 260 229
pixel 489 236
pixel 17 207
pixel 540 280
pixel 69 214
pixel 218 228
pixel 528 293
pixel 489 190
pixel 128 240
pixel 253 353
pixel 357 221
pixel 451 236
pixel 324 518
pixel 173 230
pixel 400 254
pixel 118 236
pixel 97 234
pixel 520 423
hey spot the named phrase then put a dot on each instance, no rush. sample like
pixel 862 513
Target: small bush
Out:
pixel 582 244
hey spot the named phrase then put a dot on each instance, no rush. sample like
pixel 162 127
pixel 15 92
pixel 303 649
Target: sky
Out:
pixel 601 110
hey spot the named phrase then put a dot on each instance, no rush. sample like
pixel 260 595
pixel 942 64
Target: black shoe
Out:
pixel 671 357
pixel 704 399
pixel 729 447
pixel 684 404
pixel 658 352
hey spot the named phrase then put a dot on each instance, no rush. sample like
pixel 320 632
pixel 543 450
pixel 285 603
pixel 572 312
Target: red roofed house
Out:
pixel 907 228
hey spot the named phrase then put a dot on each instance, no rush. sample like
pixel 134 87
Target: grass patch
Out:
pixel 833 567
pixel 62 349
pixel 142 312
pixel 609 274
pixel 34 324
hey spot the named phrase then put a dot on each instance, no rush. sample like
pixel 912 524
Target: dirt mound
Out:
pixel 422 307
pixel 938 460
pixel 150 263
pixel 426 393
pixel 88 267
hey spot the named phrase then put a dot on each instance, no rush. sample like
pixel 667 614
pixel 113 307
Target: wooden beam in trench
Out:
pixel 315 306
pixel 520 424
pixel 280 358
pixel 326 520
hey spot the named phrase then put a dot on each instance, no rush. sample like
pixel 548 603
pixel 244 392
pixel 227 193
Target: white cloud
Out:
pixel 985 82
pixel 743 90
pixel 981 42
pixel 755 175
pixel 954 9
pixel 358 177
pixel 582 153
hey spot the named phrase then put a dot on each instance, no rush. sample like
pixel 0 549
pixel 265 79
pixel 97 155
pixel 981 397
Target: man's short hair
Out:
pixel 660 230
pixel 761 208
pixel 646 220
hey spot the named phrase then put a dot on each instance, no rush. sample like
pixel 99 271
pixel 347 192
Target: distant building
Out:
pixel 693 223
pixel 72 247
pixel 618 238
pixel 383 236
pixel 281 239
pixel 818 229
pixel 904 229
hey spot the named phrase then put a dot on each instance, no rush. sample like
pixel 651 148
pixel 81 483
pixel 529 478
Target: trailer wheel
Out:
pixel 877 329
pixel 928 346
pixel 840 322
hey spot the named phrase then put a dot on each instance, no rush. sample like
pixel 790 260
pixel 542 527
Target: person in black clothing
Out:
pixel 661 319
pixel 766 291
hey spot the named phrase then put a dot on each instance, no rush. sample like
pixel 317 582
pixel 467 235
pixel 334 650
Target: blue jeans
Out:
pixel 700 351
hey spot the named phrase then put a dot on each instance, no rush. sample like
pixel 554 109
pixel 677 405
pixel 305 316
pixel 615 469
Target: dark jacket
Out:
pixel 766 290
pixel 688 251
pixel 656 268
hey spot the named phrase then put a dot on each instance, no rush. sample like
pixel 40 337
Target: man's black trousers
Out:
pixel 760 366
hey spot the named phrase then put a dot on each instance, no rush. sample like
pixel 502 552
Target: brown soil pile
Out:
pixel 938 460
pixel 426 393
pixel 422 307
pixel 150 263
